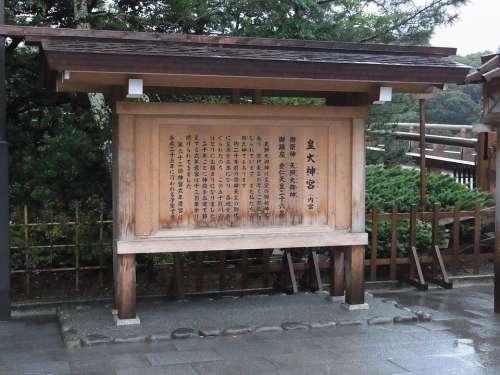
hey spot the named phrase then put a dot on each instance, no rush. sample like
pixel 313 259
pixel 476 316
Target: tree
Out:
pixel 57 142
pixel 347 20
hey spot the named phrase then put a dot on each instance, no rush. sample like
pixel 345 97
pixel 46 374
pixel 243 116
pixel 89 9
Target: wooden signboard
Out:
pixel 196 177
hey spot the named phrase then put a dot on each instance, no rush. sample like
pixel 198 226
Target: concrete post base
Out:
pixel 361 306
pixel 124 322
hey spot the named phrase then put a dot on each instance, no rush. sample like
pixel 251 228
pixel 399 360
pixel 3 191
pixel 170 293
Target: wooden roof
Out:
pixel 489 74
pixel 489 70
pixel 97 60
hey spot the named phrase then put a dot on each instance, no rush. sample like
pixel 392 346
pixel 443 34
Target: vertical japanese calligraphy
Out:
pixel 221 177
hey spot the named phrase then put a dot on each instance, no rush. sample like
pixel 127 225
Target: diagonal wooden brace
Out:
pixel 416 277
pixel 313 275
pixel 442 279
pixel 288 272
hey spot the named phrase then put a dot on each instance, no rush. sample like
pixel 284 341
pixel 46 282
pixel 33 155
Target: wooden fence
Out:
pixel 83 244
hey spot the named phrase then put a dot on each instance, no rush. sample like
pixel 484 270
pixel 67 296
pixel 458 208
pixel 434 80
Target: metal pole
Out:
pixel 4 188
pixel 423 172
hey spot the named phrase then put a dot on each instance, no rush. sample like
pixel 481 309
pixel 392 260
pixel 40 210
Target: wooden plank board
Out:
pixel 358 175
pixel 223 85
pixel 144 178
pixel 125 193
pixel 343 175
pixel 255 111
pixel 241 241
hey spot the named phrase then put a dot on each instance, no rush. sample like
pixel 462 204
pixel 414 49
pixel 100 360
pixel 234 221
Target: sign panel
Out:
pixel 194 177
pixel 219 176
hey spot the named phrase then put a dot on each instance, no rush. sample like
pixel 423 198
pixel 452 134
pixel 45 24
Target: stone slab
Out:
pixel 183 357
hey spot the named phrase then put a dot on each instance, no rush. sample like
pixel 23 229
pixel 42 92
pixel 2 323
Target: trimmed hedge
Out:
pixel 386 187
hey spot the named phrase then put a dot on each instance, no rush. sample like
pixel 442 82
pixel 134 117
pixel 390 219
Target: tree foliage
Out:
pixel 57 145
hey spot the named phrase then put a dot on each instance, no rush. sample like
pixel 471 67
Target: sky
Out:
pixel 476 30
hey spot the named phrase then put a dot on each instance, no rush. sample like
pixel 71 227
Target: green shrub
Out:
pixel 386 187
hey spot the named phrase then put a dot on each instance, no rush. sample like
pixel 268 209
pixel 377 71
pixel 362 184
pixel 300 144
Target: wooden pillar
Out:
pixel 235 96
pixel 337 288
pixel 497 228
pixel 355 255
pixel 124 211
pixel 355 265
pixel 482 162
pixel 126 286
pixel 257 97
pixel 423 171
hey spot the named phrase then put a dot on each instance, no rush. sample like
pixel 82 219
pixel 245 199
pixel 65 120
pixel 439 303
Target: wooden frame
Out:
pixel 141 177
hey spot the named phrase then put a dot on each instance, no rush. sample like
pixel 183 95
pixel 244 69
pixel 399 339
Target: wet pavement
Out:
pixel 160 317
pixel 463 338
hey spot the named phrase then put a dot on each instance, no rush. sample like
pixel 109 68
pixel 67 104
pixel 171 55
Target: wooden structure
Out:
pixel 489 75
pixel 249 271
pixel 221 177
pixel 471 160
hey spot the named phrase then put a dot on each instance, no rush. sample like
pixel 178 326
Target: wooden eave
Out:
pixel 487 71
pixel 36 35
pixel 195 64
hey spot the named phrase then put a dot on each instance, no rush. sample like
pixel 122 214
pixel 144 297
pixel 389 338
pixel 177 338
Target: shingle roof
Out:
pixel 208 51
pixel 125 53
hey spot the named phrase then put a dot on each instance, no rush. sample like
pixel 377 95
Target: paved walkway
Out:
pixel 464 338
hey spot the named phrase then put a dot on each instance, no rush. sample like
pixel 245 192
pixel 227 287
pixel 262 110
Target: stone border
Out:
pixel 73 340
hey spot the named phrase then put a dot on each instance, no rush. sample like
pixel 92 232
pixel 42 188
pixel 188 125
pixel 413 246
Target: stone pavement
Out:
pixel 224 315
pixel 463 338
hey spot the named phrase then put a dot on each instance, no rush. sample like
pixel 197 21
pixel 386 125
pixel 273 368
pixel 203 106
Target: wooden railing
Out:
pixel 81 249
pixel 458 251
pixel 469 159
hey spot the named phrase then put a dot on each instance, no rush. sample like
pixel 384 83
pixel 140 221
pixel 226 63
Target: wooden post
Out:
pixel 125 286
pixel 374 245
pixel 482 165
pixel 423 172
pixel 497 228
pixel 456 236
pixel 355 264
pixel 266 255
pixel 337 288
pixel 394 242
pixel 235 96
pixel 477 238
pixel 77 247
pixel 222 270
pixel 199 271
pixel 178 276
pixel 416 276
pixel 257 97
pixel 124 211
pixel 436 207
pixel 101 245
pixel 244 269
pixel 355 255
pixel 413 239
pixel 27 255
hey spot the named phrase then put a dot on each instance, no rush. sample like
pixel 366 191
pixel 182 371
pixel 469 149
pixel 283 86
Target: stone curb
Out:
pixel 73 340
